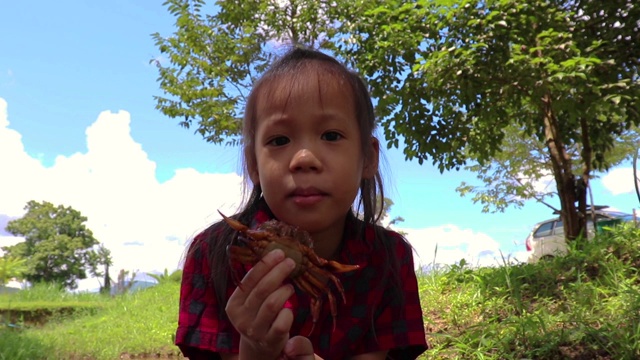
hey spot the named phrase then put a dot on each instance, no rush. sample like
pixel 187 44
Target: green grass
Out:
pixel 582 306
pixel 140 323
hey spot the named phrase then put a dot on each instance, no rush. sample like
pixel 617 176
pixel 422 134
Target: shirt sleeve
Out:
pixel 203 329
pixel 399 324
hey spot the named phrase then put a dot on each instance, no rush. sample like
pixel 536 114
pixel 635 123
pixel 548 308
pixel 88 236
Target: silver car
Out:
pixel 547 240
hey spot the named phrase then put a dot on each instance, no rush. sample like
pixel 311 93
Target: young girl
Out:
pixel 311 155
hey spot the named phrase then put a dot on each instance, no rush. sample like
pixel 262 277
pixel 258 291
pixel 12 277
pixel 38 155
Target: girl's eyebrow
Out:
pixel 277 119
pixel 281 119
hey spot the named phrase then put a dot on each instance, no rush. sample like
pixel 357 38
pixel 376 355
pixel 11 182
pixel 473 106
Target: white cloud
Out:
pixel 545 184
pixel 619 181
pixel 8 79
pixel 114 185
pixel 9 241
pixel 448 244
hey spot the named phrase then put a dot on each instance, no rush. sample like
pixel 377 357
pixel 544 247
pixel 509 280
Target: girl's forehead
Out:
pixel 307 84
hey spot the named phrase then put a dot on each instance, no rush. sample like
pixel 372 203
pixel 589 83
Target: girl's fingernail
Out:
pixel 288 347
pixel 290 263
pixel 277 254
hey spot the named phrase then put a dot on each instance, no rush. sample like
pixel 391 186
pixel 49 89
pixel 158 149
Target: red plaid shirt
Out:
pixel 370 321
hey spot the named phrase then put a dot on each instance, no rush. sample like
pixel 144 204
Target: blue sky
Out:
pixel 78 127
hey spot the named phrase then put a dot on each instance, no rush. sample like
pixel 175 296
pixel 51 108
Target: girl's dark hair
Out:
pixel 291 67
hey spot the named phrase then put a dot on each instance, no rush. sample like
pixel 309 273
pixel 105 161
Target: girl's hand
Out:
pixel 298 348
pixel 256 308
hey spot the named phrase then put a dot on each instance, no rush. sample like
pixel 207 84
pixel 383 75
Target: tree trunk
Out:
pixel 636 180
pixel 583 181
pixel 107 279
pixel 562 172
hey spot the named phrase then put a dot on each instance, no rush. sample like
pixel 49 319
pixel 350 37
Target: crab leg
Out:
pixel 319 272
pixel 307 288
pixel 316 306
pixel 235 224
pixel 243 255
pixel 315 281
pixel 320 262
pixel 334 309
pixel 338 285
pixel 315 302
pixel 341 268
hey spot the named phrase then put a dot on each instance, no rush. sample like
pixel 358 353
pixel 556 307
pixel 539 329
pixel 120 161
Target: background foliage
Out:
pixel 454 81
pixel 58 247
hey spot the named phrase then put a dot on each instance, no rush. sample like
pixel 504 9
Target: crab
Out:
pixel 312 274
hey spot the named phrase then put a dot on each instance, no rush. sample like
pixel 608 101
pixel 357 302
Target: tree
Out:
pixel 175 276
pixel 214 59
pixel 562 72
pixel 449 77
pixel 123 285
pixel 636 179
pixel 522 171
pixel 58 248
pixel 102 256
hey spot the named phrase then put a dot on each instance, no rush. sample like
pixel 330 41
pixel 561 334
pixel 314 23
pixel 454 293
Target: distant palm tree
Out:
pixel 11 267
pixel 104 258
pixel 175 276
pixel 123 285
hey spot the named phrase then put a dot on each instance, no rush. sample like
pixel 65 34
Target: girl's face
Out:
pixel 308 152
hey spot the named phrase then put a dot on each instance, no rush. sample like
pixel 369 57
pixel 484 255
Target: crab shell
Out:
pixel 312 273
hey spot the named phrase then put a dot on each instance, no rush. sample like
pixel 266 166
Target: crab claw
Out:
pixel 236 225
pixel 342 268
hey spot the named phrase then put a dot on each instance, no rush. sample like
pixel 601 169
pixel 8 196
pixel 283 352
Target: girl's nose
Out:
pixel 305 160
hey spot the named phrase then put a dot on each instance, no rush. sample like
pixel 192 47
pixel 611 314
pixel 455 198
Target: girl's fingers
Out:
pixel 277 336
pixel 261 268
pixel 299 348
pixel 268 284
pixel 269 318
pixel 267 299
pixel 281 325
pixel 256 306
pixel 253 277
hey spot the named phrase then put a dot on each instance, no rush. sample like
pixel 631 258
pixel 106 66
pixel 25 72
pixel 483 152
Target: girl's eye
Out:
pixel 279 141
pixel 331 136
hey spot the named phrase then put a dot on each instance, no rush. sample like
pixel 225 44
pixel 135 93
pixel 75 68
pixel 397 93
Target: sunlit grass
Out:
pixel 140 323
pixel 582 306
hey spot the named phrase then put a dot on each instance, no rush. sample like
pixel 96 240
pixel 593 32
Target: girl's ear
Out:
pixel 255 177
pixel 370 168
pixel 252 167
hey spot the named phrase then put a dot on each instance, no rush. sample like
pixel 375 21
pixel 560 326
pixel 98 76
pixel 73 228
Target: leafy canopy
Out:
pixel 58 247
pixel 450 78
pixel 214 59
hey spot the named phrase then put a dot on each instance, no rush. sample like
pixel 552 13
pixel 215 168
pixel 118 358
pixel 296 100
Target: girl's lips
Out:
pixel 307 191
pixel 307 200
pixel 307 196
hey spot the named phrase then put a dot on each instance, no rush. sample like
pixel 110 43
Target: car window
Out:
pixel 544 229
pixel 558 229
